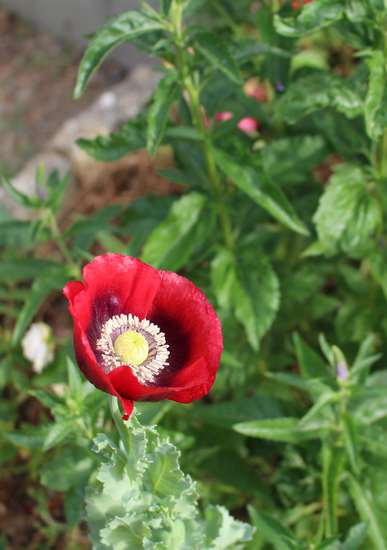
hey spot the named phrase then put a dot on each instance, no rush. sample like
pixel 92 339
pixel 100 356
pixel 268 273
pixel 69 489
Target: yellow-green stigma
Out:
pixel 132 347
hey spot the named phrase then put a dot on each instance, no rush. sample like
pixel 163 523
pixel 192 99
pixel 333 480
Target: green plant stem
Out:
pixel 333 462
pixel 198 117
pixel 61 244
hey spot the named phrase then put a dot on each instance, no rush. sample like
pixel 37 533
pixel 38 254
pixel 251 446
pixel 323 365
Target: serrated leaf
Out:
pixel 247 285
pixel 348 216
pixel 116 145
pixel 163 98
pixel 223 531
pixel 171 243
pixel 140 499
pixel 290 160
pixel 313 16
pixel 124 28
pixel 217 52
pixel 68 469
pixel 318 91
pixel 375 103
pixel 261 190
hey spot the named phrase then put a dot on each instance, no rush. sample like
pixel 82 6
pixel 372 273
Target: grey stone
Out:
pixel 118 104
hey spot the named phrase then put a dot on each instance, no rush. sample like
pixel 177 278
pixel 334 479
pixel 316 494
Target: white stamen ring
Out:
pixel 158 353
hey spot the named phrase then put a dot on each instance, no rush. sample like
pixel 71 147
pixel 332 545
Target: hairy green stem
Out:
pixel 198 117
pixel 61 244
pixel 333 461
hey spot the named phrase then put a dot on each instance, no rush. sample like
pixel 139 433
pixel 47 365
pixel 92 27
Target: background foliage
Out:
pixel 284 229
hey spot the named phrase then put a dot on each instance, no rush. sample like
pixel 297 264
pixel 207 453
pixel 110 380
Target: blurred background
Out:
pixel 41 42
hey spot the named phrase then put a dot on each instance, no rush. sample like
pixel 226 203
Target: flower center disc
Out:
pixel 132 347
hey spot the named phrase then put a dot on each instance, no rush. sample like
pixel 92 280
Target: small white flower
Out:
pixel 38 346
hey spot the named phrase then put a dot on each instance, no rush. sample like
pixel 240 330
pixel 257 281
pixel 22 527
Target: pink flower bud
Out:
pixel 223 116
pixel 248 125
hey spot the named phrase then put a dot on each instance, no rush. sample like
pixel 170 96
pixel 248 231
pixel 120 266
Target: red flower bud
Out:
pixel 143 334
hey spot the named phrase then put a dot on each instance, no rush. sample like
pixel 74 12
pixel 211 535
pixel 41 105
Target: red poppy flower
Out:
pixel 143 334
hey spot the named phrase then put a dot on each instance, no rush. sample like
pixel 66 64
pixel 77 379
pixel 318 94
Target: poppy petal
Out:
pixel 189 322
pixel 191 384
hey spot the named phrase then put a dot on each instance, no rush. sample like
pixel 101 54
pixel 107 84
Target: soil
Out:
pixel 37 76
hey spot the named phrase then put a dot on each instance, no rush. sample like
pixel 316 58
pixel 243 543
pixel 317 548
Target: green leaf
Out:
pixel 164 96
pixel 20 269
pixel 247 285
pixel 124 28
pixel 261 190
pixel 56 433
pixel 222 531
pixel 52 279
pixel 68 469
pixel 365 507
pixel 351 441
pixel 318 91
pixel 272 530
pixel 313 16
pixel 165 6
pixel 226 414
pixel 109 148
pixel 171 244
pixel 217 52
pixel 140 499
pixel 348 215
pixel 310 363
pixel 290 160
pixel 375 106
pixel 18 196
pixel 355 538
pixel 285 429
pixel 333 459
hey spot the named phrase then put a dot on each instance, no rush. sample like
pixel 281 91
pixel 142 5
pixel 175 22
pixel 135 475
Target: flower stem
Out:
pixel 198 116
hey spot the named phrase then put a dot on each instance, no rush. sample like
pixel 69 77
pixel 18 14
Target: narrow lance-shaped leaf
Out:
pixel 218 54
pixel 123 28
pixel 260 190
pixel 365 507
pixel 286 429
pixel 51 280
pixel 163 99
